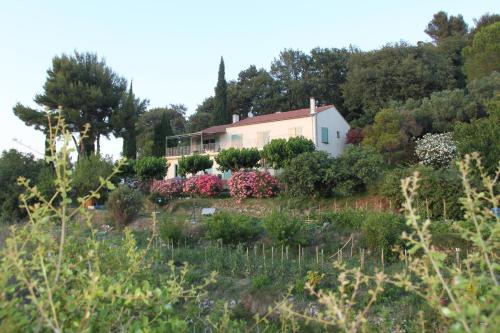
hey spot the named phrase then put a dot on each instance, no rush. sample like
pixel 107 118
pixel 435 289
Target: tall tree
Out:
pixel 483 56
pixel 483 21
pixel 290 69
pixel 395 72
pixel 149 126
pixel 160 133
pixel 125 119
pixel 221 112
pixel 441 26
pixel 88 92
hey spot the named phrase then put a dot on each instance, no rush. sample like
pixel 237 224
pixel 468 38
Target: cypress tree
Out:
pixel 161 130
pixel 221 114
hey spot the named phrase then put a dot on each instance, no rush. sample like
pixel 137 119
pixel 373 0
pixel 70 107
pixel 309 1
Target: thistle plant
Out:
pixel 57 276
pixel 465 291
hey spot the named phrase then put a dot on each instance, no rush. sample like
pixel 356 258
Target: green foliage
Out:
pixel 14 164
pixel 221 112
pixel 171 230
pixel 394 72
pixel 481 58
pixel 232 228
pixel 275 153
pixel 345 219
pixel 88 91
pixel 279 152
pixel 124 204
pixel 199 121
pixel 307 175
pixel 386 135
pixel 235 159
pixel 382 231
pixel 124 122
pixel 194 163
pixel 283 228
pixel 438 196
pixel 442 27
pixel 88 173
pixel 355 169
pixel 149 168
pixel 56 276
pixel 481 136
pixel 45 181
pixel 155 124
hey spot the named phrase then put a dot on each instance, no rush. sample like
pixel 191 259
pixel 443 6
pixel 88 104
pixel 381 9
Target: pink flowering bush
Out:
pixel 253 184
pixel 170 188
pixel 203 185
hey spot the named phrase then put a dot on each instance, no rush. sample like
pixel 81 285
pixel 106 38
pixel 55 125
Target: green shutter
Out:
pixel 324 135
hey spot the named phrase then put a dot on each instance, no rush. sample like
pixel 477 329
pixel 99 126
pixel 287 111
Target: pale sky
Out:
pixel 171 49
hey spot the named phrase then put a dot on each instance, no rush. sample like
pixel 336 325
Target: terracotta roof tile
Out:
pixel 266 118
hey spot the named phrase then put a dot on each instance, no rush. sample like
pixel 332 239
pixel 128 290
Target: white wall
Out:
pixel 278 129
pixel 334 121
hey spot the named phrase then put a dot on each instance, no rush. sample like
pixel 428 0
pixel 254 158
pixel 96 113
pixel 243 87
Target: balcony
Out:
pixel 188 150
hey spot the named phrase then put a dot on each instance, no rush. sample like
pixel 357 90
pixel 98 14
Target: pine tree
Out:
pixel 161 131
pixel 221 114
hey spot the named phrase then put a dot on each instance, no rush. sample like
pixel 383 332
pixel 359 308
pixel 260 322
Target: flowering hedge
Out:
pixel 253 184
pixel 204 185
pixel 170 188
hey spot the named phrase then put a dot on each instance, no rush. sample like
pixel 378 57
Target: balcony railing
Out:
pixel 188 150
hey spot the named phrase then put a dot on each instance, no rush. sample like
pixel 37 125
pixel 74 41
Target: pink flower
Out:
pixel 204 185
pixel 169 188
pixel 256 184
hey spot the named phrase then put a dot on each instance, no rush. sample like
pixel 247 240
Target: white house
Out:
pixel 324 125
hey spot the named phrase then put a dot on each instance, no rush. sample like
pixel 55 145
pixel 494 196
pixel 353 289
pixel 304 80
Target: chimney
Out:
pixel 236 118
pixel 312 105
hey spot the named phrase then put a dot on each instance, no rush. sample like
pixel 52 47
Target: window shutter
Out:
pixel 324 135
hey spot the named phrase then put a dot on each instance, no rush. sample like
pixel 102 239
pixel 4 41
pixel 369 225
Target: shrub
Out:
pixel 235 159
pixel 382 231
pixel 171 230
pixel 252 184
pixel 354 136
pixel 124 204
pixel 232 228
pixel 13 165
pixel 279 152
pixel 167 189
pixel 203 185
pixel 194 163
pixel 355 169
pixel 88 172
pixel 283 228
pixel 481 135
pixel 149 168
pixel 438 195
pixel 436 150
pixel 350 218
pixel 307 175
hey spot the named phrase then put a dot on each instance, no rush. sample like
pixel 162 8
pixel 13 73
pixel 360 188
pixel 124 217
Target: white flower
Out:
pixel 437 150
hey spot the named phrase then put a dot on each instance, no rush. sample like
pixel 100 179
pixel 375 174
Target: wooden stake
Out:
pixel 322 260
pixel 351 245
pixel 317 256
pixel 299 256
pixel 383 264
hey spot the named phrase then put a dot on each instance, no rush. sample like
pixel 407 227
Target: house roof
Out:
pixel 266 118
pixel 278 116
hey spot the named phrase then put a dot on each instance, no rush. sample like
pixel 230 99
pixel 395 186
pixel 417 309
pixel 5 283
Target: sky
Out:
pixel 171 49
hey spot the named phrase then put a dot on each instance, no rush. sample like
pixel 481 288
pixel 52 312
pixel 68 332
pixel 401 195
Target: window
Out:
pixel 338 135
pixel 236 140
pixel 262 138
pixel 294 131
pixel 324 135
